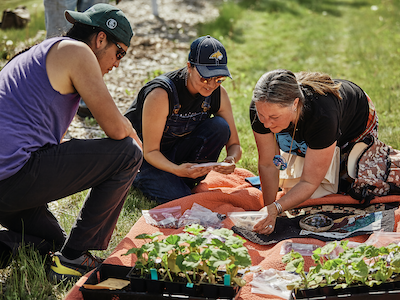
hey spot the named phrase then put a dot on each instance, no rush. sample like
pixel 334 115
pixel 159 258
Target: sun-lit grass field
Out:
pixel 354 40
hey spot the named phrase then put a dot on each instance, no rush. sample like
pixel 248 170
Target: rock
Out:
pixel 17 18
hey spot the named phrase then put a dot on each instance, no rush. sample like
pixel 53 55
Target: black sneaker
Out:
pixel 63 268
pixel 83 110
pixel 5 255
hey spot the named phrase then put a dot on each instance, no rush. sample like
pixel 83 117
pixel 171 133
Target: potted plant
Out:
pixel 358 270
pixel 191 260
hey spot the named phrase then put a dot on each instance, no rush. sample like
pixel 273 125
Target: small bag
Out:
pixel 247 219
pixel 374 166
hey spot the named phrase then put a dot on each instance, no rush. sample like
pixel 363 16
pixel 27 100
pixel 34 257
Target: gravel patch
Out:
pixel 161 43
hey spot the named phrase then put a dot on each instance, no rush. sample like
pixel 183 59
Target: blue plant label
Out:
pixel 227 279
pixel 153 274
pixel 189 285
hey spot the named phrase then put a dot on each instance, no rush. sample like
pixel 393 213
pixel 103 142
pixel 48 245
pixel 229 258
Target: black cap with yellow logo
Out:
pixel 209 57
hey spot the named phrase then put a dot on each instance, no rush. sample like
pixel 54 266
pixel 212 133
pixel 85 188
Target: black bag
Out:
pixel 377 170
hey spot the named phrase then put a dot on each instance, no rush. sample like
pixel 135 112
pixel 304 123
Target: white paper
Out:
pixel 212 164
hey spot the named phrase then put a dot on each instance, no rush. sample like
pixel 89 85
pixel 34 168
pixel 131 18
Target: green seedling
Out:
pixel 362 265
pixel 196 251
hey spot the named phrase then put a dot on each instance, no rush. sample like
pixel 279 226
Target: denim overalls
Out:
pixel 186 138
pixel 178 126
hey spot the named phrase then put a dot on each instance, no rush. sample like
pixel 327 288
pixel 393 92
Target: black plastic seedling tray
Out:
pixel 153 289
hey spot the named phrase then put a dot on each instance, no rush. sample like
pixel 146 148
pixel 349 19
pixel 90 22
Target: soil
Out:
pixel 161 43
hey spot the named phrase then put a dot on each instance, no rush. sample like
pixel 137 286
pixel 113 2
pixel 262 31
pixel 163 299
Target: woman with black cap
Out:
pixel 184 118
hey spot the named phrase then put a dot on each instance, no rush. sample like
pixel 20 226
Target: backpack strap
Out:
pixel 172 88
pixel 206 105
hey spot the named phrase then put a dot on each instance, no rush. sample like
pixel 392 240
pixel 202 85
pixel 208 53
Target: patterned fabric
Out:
pixel 372 123
pixel 378 171
pixel 287 144
pixel 337 209
pixel 370 130
pixel 289 228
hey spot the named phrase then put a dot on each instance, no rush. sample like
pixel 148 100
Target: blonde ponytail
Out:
pixel 319 82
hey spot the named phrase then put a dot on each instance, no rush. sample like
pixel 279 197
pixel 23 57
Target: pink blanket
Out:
pixel 223 194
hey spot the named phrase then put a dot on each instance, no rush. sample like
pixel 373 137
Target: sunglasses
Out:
pixel 218 80
pixel 121 52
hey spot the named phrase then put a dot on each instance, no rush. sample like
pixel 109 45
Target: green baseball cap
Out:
pixel 109 18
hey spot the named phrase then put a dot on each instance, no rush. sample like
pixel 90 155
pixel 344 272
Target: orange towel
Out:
pixel 223 194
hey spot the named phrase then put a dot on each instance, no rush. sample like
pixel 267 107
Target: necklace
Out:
pixel 278 160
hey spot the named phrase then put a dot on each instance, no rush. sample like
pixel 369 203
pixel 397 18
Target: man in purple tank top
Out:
pixel 40 90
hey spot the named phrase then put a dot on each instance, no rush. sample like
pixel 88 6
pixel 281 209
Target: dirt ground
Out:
pixel 161 43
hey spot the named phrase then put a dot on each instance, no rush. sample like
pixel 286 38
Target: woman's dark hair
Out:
pixel 283 86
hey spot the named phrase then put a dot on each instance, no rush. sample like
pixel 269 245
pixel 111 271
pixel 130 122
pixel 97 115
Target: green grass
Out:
pixel 12 4
pixel 28 35
pixel 26 278
pixel 344 38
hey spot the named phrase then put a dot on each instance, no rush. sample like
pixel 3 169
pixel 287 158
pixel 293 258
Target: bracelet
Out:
pixel 278 207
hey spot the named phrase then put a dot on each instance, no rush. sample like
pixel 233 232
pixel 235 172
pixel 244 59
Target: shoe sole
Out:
pixel 58 278
pixel 59 273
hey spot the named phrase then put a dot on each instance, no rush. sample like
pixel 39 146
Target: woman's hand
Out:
pixel 226 169
pixel 188 170
pixel 267 225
